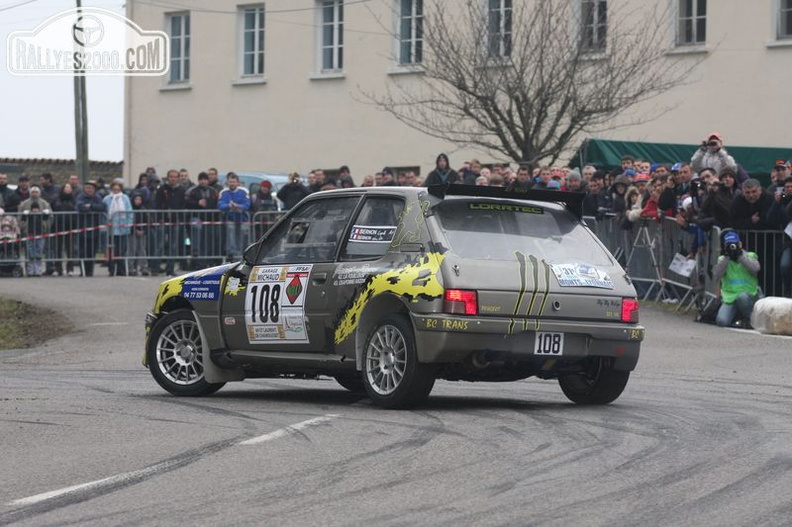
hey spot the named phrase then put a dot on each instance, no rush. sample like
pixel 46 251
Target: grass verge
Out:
pixel 25 326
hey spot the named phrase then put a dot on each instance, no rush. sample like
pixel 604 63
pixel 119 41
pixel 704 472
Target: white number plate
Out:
pixel 549 344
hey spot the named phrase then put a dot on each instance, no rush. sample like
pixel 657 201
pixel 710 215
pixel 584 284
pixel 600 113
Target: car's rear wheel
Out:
pixel 352 382
pixel 599 383
pixel 176 355
pixel 392 375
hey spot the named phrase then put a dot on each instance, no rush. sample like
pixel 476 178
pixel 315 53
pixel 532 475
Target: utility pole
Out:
pixel 80 111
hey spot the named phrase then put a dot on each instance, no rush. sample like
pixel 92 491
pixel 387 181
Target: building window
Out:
pixel 332 35
pixel 411 32
pixel 499 26
pixel 594 25
pixel 785 19
pixel 179 31
pixel 252 34
pixel 692 26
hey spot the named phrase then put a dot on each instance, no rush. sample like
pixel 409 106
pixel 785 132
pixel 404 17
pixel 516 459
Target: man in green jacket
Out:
pixel 739 288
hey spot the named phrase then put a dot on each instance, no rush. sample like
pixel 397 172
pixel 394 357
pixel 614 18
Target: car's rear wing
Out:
pixel 573 201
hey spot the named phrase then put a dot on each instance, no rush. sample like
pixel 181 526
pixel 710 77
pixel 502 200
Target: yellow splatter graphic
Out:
pixel 411 224
pixel 414 281
pixel 168 290
pixel 233 286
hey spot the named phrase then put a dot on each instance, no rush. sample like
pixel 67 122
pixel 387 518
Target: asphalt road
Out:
pixel 701 436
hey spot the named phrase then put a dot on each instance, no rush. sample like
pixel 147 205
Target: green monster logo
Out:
pixel 414 281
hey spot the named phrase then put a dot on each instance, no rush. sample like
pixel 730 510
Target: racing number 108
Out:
pixel 549 344
pixel 264 303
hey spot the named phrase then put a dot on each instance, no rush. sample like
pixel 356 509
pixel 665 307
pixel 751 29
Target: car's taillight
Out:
pixel 629 311
pixel 460 302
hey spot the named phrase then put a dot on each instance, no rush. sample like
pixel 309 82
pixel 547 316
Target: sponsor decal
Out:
pixel 234 286
pixel 373 234
pixel 532 273
pixel 353 274
pixel 447 325
pixel 229 321
pixel 200 285
pixel 581 275
pixel 294 288
pixel 202 288
pixel 506 208
pixel 275 304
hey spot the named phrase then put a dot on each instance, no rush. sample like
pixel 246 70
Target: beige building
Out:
pixel 279 85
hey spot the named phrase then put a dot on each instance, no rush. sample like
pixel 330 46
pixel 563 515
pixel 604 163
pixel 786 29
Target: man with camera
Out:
pixel 780 217
pixel 712 154
pixel 737 272
pixel 778 175
pixel 291 194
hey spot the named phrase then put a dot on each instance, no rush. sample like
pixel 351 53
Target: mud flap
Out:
pixel 212 372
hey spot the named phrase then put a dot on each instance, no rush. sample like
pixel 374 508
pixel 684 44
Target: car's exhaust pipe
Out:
pixel 477 360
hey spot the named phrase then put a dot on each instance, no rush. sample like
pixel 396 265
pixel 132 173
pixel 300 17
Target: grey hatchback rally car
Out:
pixel 387 289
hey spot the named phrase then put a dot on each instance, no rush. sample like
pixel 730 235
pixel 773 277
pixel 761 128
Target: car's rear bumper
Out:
pixel 449 339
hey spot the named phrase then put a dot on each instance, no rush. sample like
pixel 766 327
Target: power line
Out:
pixel 18 4
pixel 171 5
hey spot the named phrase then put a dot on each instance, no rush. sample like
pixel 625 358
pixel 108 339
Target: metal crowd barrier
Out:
pixel 145 241
pixel 136 242
pixel 648 248
pixel 33 243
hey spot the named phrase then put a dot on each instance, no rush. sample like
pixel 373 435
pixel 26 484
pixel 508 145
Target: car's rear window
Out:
pixel 494 230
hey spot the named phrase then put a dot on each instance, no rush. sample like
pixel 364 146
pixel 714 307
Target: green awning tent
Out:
pixel 606 154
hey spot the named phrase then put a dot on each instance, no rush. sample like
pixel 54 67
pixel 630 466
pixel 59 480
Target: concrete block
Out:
pixel 773 315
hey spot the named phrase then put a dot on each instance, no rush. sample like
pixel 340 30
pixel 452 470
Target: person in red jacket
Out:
pixel 651 209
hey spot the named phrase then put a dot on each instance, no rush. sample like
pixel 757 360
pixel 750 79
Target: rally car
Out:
pixel 387 289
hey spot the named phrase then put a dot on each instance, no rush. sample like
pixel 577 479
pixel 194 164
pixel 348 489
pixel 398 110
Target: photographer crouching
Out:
pixel 736 270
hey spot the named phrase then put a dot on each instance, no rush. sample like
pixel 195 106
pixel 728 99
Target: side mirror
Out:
pixel 249 256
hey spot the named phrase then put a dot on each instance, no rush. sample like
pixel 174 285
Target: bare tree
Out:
pixel 525 81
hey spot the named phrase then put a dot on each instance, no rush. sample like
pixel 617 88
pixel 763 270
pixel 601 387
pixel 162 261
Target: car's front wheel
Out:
pixel 599 383
pixel 176 355
pixel 392 375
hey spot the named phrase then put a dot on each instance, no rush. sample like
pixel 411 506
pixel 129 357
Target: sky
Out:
pixel 37 113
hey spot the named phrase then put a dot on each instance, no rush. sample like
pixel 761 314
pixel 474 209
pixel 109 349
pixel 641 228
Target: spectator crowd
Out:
pixel 141 230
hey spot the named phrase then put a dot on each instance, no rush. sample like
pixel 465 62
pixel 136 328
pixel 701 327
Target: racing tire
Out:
pixel 392 376
pixel 598 384
pixel 175 355
pixel 353 383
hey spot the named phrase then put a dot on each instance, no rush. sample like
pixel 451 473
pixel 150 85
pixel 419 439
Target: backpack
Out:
pixel 708 307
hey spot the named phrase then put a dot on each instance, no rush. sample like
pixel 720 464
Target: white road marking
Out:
pixel 757 332
pixel 112 480
pixel 55 493
pixel 146 472
pixel 289 430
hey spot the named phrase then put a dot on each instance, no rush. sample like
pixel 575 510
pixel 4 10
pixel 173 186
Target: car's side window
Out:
pixel 373 229
pixel 310 234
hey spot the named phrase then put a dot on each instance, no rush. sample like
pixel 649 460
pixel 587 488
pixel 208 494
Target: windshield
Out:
pixel 494 230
